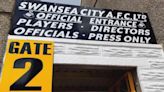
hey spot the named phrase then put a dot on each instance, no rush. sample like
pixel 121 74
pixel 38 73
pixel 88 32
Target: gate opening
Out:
pixel 84 78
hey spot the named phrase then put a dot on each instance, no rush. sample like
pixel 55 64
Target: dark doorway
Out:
pixel 84 78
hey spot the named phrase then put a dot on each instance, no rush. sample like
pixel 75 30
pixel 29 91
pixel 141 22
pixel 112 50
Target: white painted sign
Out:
pixel 52 20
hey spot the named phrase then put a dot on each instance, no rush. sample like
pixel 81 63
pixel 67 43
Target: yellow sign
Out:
pixel 27 66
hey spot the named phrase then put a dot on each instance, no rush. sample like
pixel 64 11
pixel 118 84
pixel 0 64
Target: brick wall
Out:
pixel 154 8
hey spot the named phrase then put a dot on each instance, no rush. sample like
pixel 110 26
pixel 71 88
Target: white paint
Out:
pixel 70 2
pixel 120 44
pixel 147 58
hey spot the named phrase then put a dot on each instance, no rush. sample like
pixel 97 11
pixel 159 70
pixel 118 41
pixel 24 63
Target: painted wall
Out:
pixel 148 59
pixel 154 8
pixel 150 76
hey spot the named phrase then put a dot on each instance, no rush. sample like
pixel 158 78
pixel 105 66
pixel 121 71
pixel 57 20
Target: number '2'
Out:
pixel 36 67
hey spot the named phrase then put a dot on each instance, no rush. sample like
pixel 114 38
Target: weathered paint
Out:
pixel 148 59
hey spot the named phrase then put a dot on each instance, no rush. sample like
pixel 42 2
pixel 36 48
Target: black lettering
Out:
pixel 37 50
pixel 21 83
pixel 12 48
pixel 45 49
pixel 26 48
